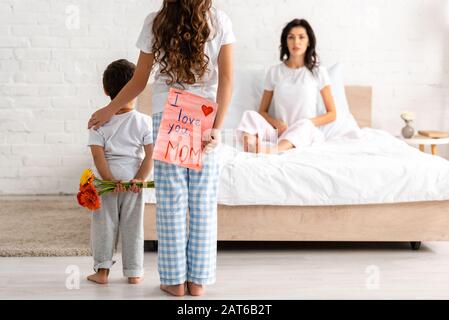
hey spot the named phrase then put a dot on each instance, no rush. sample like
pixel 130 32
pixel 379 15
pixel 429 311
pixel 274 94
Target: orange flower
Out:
pixel 91 189
pixel 88 197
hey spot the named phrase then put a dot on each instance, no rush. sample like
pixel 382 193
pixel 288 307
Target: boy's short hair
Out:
pixel 117 75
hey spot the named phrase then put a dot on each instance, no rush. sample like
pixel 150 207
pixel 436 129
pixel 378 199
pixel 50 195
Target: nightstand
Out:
pixel 422 141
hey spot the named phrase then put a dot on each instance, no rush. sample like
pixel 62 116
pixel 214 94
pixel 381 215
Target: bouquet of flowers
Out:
pixel 91 188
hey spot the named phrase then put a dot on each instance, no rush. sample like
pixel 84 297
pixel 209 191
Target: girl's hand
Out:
pixel 119 187
pixel 134 187
pixel 212 140
pixel 281 127
pixel 100 117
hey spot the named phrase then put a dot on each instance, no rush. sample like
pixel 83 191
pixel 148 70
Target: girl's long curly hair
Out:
pixel 181 30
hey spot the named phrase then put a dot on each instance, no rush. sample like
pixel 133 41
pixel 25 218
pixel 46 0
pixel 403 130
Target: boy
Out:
pixel 121 150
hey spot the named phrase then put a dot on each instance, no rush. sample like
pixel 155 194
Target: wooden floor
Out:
pixel 257 271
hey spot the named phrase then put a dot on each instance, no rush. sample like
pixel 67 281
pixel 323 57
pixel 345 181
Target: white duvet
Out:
pixel 373 168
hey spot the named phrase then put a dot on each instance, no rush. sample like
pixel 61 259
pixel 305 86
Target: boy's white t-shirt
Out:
pixel 123 138
pixel 221 34
pixel 296 91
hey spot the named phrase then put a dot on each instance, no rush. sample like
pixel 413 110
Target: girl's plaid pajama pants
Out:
pixel 187 246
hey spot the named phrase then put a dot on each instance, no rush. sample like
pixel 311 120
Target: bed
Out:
pixel 372 188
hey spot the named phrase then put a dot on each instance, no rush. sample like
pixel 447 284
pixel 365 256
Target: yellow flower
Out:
pixel 86 177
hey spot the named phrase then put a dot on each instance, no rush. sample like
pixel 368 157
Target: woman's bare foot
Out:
pixel 261 148
pixel 101 277
pixel 195 289
pixel 250 143
pixel 175 290
pixel 282 146
pixel 135 280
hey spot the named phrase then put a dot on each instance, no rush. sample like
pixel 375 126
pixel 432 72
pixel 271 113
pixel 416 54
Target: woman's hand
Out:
pixel 100 117
pixel 134 187
pixel 212 140
pixel 281 127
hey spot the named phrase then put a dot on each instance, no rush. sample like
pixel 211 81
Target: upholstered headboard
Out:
pixel 360 103
pixel 359 100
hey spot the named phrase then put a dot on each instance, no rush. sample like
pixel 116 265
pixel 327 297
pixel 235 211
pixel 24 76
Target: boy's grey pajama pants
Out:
pixel 186 252
pixel 119 213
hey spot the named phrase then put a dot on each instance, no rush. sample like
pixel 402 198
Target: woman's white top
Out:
pixel 296 91
pixel 221 34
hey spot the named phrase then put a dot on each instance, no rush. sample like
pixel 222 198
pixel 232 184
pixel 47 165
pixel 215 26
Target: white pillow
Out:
pixel 345 123
pixel 247 92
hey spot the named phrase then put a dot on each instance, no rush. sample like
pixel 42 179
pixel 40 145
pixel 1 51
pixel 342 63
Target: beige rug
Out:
pixel 43 227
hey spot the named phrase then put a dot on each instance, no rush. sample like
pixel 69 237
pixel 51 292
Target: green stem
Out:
pixel 104 186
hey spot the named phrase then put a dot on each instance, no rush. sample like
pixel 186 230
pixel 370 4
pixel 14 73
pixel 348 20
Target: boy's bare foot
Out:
pixel 195 289
pixel 135 280
pixel 101 277
pixel 175 290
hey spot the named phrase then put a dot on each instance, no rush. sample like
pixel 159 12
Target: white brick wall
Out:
pixel 53 52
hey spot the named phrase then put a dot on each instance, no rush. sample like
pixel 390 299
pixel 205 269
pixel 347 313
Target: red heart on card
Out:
pixel 207 110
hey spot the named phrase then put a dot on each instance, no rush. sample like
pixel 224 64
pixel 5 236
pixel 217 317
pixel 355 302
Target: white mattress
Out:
pixel 373 168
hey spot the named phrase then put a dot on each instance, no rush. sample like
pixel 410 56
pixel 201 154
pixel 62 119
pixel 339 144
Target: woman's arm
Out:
pixel 132 89
pixel 225 83
pixel 331 114
pixel 263 110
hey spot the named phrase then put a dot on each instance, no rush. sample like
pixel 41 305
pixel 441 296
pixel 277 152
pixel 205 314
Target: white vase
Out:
pixel 408 131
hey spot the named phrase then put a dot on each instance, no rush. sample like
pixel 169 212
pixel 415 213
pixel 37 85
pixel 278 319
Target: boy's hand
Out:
pixel 100 117
pixel 119 187
pixel 134 187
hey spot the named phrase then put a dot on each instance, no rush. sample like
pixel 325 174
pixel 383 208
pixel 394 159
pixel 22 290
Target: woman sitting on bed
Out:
pixel 294 86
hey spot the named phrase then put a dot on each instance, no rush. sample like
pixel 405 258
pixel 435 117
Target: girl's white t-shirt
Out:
pixel 221 34
pixel 296 91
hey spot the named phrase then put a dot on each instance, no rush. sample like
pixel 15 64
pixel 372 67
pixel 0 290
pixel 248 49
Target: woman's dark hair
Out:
pixel 116 76
pixel 311 57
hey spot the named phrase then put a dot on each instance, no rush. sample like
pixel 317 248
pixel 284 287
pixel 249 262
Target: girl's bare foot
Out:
pixel 175 290
pixel 195 289
pixel 135 280
pixel 101 277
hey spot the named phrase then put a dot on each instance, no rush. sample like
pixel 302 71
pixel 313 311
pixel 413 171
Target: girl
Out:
pixel 190 43
pixel 294 86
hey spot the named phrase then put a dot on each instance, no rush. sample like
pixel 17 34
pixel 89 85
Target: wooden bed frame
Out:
pixel 404 222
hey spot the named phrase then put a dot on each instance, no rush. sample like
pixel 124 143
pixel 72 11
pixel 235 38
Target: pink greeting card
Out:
pixel 186 120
